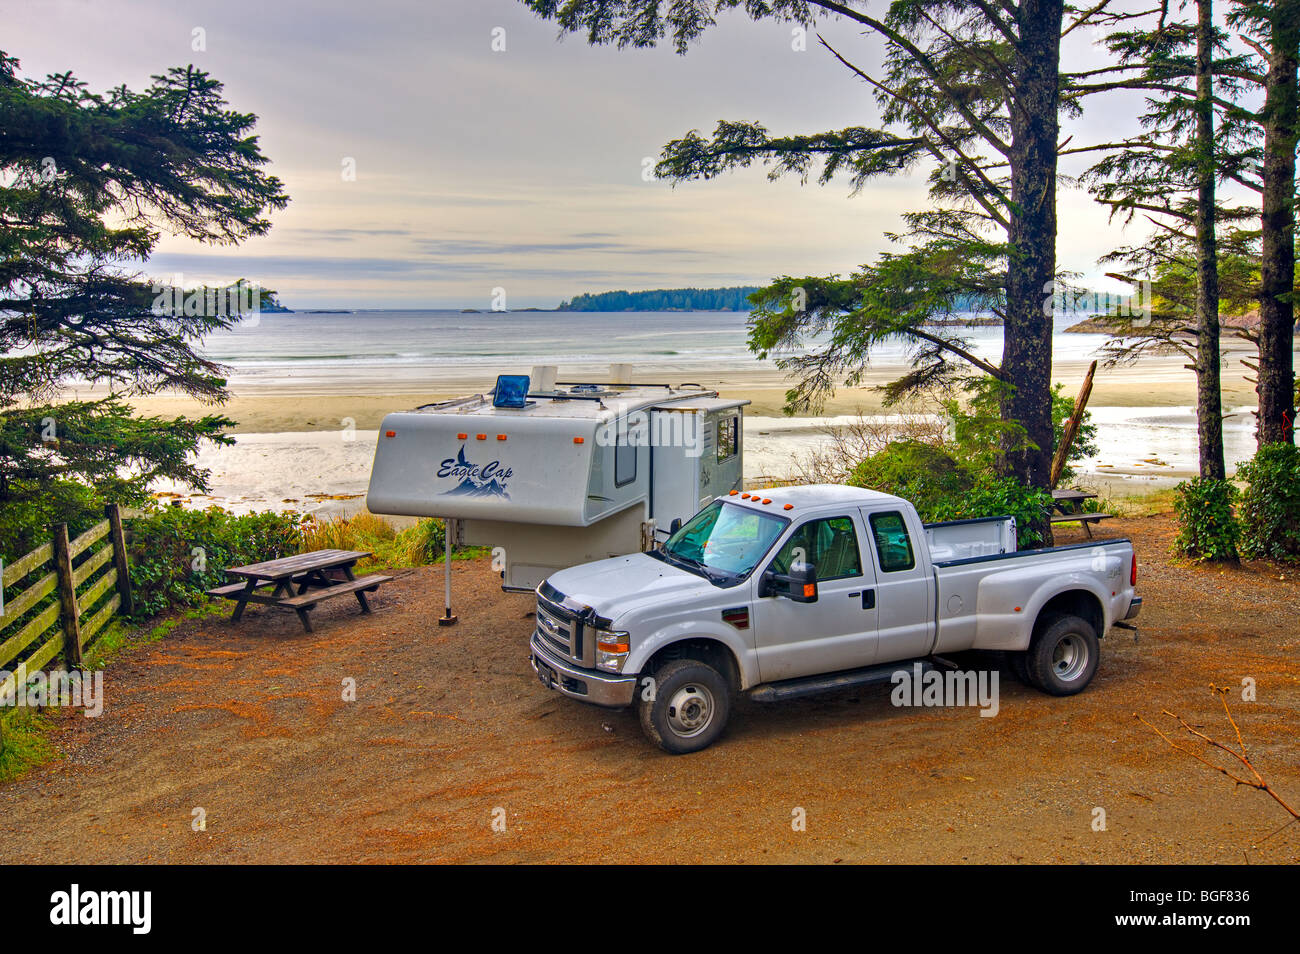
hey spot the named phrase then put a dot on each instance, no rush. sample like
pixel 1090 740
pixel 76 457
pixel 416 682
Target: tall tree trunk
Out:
pixel 1209 399
pixel 1027 336
pixel 1276 387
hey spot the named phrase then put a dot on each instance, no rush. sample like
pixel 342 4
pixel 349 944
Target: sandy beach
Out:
pixel 308 445
pixel 1156 382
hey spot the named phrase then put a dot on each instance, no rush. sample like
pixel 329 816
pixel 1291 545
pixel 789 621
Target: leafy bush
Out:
pixel 177 554
pixel 929 476
pixel 942 488
pixel 1002 496
pixel 1207 526
pixel 1270 506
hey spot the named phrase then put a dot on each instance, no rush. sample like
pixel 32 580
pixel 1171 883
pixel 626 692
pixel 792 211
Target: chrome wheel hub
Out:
pixel 1070 658
pixel 690 710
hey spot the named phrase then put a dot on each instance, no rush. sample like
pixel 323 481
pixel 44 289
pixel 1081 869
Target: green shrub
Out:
pixel 1207 526
pixel 176 554
pixel 927 475
pixel 1270 506
pixel 941 488
pixel 1002 497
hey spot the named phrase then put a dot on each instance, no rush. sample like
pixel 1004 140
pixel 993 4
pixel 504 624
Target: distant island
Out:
pixel 271 304
pixel 664 299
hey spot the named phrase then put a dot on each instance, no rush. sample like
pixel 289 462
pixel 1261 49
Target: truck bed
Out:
pixel 991 601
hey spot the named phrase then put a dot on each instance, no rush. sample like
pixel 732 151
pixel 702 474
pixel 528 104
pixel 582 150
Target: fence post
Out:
pixel 68 598
pixel 114 513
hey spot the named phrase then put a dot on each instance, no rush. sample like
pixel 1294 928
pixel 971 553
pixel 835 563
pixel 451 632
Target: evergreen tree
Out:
pixel 1272 29
pixel 1193 140
pixel 89 181
pixel 974 87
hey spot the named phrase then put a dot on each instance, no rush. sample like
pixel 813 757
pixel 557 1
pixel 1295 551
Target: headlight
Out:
pixel 611 650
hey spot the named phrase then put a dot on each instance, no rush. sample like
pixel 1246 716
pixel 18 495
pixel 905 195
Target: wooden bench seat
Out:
pixel 312 597
pixel 1087 519
pixel 307 601
pixel 1080 517
pixel 230 589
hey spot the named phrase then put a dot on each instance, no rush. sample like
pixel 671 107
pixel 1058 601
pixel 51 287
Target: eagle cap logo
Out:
pixel 488 480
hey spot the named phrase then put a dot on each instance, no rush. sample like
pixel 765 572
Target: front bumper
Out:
pixel 1134 607
pixel 585 685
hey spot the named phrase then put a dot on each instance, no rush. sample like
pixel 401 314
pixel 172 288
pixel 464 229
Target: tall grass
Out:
pixel 418 545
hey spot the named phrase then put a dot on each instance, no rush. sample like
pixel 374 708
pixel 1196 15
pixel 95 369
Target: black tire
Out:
pixel 688 708
pixel 1063 657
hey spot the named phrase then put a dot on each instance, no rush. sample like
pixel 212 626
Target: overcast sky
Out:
pixel 518 168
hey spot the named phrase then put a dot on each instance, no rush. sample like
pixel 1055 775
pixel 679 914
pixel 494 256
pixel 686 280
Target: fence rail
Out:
pixel 69 624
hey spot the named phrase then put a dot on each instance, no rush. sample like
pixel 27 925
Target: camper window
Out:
pixel 728 437
pixel 624 461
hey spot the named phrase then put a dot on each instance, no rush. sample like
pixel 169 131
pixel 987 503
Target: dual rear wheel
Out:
pixel 1063 657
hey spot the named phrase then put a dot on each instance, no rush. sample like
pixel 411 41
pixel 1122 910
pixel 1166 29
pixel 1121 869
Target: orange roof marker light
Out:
pixel 733 493
pixel 481 437
pixel 788 507
pixel 390 433
pixel 578 440
pixel 501 437
pixel 744 496
pixel 461 437
pixel 767 500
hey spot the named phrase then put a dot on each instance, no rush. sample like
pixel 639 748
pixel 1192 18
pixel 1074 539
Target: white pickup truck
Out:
pixel 803 589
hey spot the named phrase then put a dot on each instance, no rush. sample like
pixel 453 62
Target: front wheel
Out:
pixel 1063 656
pixel 685 707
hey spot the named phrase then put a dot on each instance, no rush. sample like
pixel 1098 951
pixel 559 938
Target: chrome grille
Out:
pixel 560 630
pixel 554 634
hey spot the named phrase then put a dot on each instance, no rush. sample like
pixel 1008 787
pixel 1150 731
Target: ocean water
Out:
pixel 417 348
pixel 396 352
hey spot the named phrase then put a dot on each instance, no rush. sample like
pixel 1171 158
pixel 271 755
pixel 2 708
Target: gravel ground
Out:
pixel 450 731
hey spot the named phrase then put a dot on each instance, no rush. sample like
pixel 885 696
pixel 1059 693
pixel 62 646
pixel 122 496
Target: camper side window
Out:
pixel 728 437
pixel 624 461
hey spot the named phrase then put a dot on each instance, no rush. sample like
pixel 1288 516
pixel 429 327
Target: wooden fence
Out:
pixel 76 610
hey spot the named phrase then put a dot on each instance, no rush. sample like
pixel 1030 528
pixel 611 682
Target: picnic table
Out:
pixel 300 582
pixel 1068 508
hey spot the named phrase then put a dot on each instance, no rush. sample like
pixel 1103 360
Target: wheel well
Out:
pixel 1078 603
pixel 710 651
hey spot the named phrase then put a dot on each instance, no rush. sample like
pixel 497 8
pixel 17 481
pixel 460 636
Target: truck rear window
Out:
pixel 893 545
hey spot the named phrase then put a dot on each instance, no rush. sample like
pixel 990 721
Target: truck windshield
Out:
pixel 723 540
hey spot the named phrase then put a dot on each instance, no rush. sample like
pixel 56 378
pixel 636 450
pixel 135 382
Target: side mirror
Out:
pixel 675 525
pixel 799 585
pixel 803 583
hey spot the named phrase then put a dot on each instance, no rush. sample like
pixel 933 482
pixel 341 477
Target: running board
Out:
pixel 812 685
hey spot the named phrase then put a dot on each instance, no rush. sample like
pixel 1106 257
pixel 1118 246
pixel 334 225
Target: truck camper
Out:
pixel 551 474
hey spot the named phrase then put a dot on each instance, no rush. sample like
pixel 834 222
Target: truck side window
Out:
pixel 893 545
pixel 728 438
pixel 624 461
pixel 831 545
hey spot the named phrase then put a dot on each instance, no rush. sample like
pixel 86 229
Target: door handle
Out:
pixel 868 599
